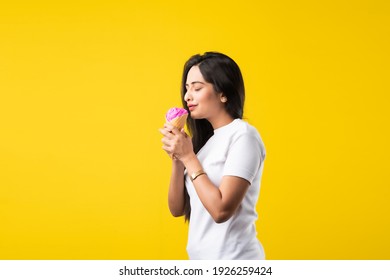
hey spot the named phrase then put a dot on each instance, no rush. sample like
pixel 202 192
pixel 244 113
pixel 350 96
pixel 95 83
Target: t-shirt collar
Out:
pixel 225 127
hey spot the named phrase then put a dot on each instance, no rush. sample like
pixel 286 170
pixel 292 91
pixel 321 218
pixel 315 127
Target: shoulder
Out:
pixel 248 135
pixel 244 129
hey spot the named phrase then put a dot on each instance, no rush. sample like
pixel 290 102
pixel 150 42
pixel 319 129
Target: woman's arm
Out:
pixel 176 193
pixel 220 202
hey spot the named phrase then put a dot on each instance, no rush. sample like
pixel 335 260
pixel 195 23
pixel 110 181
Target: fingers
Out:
pixel 184 132
pixel 171 128
pixel 167 142
pixel 167 149
pixel 170 131
pixel 163 131
pixel 167 133
pixel 173 140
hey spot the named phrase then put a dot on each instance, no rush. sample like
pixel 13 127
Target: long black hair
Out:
pixel 225 76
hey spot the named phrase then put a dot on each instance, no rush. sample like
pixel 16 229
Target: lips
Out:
pixel 191 107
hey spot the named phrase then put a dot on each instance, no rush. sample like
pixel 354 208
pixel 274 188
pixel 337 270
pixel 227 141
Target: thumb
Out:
pixel 184 132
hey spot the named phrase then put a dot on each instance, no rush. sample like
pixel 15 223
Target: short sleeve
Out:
pixel 244 157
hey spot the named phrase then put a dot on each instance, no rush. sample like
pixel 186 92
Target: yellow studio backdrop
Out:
pixel 84 87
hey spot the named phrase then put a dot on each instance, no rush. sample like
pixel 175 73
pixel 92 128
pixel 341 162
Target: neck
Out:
pixel 221 120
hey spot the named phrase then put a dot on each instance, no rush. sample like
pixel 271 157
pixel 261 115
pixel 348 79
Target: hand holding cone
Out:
pixel 177 117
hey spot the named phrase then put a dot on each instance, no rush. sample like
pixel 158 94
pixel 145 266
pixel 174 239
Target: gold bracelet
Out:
pixel 197 174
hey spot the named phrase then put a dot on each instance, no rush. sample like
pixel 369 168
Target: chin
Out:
pixel 194 116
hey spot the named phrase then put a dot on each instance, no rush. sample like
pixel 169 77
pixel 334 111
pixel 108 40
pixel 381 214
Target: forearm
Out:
pixel 209 194
pixel 176 194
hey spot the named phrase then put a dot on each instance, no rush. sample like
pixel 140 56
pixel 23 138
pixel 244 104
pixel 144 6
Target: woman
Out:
pixel 222 163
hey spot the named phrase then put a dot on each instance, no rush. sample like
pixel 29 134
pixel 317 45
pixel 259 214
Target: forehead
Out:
pixel 194 75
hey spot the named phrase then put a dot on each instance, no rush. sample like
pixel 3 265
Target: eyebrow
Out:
pixel 195 82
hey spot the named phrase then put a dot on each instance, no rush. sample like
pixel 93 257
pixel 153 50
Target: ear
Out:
pixel 223 98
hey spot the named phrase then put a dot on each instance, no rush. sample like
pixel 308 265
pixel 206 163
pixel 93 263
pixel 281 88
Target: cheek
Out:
pixel 209 97
pixel 213 101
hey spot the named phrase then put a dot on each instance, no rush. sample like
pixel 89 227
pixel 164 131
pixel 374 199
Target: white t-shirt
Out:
pixel 235 149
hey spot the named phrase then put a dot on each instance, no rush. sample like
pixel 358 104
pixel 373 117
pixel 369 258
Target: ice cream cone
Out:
pixel 179 122
pixel 177 117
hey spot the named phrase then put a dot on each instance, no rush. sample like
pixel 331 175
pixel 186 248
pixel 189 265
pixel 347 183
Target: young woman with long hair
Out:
pixel 216 172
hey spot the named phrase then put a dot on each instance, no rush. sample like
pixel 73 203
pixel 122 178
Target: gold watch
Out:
pixel 197 174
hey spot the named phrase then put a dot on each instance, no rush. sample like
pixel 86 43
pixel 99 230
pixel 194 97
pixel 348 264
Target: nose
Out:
pixel 187 96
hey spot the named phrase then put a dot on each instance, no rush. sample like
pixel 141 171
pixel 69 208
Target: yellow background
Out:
pixel 84 86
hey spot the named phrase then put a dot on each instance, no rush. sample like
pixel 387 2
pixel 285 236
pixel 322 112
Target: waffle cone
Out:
pixel 179 122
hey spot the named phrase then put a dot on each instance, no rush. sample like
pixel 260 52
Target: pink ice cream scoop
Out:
pixel 177 117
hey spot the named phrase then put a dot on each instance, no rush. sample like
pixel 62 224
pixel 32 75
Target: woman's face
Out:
pixel 202 100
